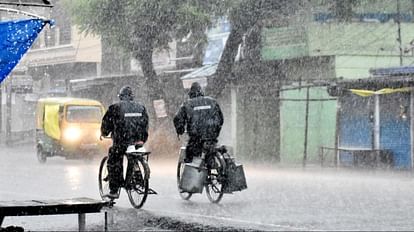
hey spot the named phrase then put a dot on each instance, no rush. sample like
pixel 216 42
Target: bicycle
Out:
pixel 137 176
pixel 213 161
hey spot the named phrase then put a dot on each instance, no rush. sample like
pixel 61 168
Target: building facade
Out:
pixel 315 46
pixel 60 53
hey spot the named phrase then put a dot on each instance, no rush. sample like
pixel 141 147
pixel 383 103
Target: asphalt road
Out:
pixel 278 198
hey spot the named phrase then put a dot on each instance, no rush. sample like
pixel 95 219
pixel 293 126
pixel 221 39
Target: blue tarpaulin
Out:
pixel 16 37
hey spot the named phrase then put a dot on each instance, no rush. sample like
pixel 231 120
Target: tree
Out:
pixel 142 26
pixel 244 15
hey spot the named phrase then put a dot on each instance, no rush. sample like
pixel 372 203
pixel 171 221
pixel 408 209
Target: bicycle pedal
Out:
pixel 110 203
pixel 152 191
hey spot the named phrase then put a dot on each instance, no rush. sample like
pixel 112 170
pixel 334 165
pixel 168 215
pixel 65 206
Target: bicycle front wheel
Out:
pixel 138 182
pixel 103 179
pixel 215 178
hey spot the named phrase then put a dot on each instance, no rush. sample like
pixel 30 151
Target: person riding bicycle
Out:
pixel 202 117
pixel 127 122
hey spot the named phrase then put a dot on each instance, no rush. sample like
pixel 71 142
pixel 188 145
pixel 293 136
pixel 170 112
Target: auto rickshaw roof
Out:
pixel 69 100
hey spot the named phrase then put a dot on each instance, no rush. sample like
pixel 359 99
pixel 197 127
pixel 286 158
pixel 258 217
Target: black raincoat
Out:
pixel 127 121
pixel 203 119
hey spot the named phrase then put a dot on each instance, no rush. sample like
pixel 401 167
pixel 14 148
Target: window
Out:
pixel 90 114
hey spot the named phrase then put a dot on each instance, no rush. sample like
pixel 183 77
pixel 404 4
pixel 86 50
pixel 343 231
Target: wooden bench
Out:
pixel 79 206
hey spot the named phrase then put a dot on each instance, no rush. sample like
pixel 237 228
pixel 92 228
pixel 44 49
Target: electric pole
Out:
pixel 399 32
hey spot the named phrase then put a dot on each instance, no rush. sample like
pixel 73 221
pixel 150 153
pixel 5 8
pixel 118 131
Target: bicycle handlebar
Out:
pixel 105 137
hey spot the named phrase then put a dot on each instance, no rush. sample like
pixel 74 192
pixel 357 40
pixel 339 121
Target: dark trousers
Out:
pixel 115 167
pixel 195 147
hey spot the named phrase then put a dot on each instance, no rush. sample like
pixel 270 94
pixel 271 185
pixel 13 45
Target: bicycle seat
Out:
pixel 137 148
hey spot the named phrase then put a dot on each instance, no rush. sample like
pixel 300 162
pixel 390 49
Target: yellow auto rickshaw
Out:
pixel 69 127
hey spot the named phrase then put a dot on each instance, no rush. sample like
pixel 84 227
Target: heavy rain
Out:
pixel 211 115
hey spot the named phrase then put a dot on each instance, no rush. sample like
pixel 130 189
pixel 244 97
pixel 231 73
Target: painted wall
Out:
pixel 358 47
pixel 369 40
pixel 356 128
pixel 321 125
pixel 356 125
pixel 395 129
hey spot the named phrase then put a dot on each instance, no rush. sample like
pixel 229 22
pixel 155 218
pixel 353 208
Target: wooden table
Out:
pixel 373 156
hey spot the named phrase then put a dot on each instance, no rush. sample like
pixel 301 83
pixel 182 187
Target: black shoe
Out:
pixel 112 195
pixel 188 160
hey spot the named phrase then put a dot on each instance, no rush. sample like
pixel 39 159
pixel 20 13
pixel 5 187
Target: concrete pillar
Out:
pixel 234 118
pixel 81 221
pixel 377 122
pixel 8 113
pixel 412 128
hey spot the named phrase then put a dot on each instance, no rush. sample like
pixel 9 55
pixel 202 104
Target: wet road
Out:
pixel 277 198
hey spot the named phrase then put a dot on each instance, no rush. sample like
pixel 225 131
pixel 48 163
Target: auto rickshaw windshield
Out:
pixel 88 114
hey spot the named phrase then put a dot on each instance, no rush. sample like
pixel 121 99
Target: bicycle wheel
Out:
pixel 103 178
pixel 215 179
pixel 180 169
pixel 138 182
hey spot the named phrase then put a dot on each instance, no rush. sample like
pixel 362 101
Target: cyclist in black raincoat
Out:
pixel 202 117
pixel 127 122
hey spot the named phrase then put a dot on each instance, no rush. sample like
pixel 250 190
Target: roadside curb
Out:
pixel 133 220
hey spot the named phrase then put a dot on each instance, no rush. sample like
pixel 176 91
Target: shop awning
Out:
pixel 367 93
pixel 372 86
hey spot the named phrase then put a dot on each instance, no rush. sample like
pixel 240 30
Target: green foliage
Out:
pixel 137 25
pixel 141 26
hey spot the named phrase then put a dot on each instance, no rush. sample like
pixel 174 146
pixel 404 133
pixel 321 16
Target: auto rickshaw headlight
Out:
pixel 72 133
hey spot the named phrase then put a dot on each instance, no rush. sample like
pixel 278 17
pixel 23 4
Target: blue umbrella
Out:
pixel 16 37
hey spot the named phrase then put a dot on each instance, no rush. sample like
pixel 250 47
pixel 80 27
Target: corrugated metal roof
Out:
pixel 44 3
pixel 392 71
pixel 205 71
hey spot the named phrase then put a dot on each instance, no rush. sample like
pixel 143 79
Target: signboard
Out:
pixel 21 84
pixel 159 106
pixel 215 47
pixel 284 43
pixel 217 38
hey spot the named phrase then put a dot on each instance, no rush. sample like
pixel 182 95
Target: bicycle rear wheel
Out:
pixel 180 169
pixel 138 182
pixel 215 179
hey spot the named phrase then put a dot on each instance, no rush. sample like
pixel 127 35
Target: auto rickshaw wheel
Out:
pixel 41 155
